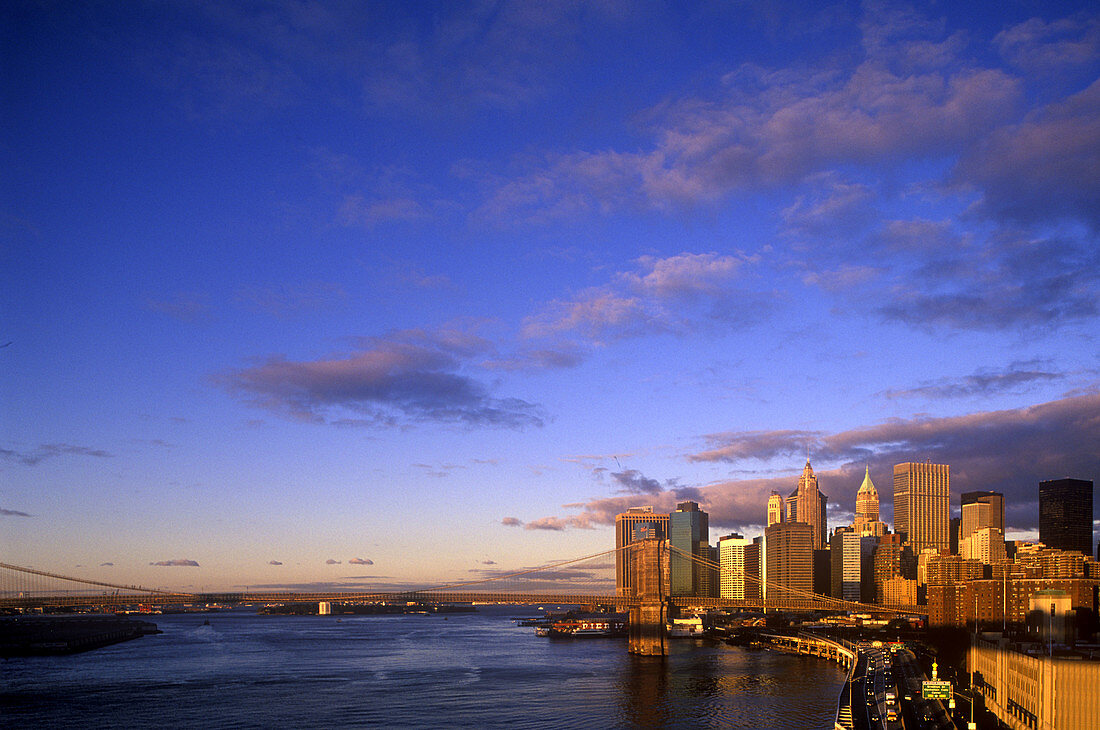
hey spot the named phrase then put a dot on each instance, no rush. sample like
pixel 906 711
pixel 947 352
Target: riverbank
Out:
pixel 51 635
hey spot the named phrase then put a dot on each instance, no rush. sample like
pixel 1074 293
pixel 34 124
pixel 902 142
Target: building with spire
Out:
pixel 810 506
pixel 867 523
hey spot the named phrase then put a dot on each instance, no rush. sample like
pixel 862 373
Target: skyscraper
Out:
pixel 866 501
pixel 689 534
pixel 810 506
pixel 845 555
pixel 996 502
pixel 789 560
pixel 1065 514
pixel 921 504
pixel 740 560
pixel 775 509
pixel 634 524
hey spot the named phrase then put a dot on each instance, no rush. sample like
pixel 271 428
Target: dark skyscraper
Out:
pixel 1065 514
pixel 689 533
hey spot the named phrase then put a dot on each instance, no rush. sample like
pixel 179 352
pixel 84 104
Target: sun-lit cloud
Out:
pixel 360 561
pixel 273 562
pixel 1008 451
pixel 673 294
pixel 511 522
pixel 332 561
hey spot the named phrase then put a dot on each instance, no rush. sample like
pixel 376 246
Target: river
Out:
pixel 245 670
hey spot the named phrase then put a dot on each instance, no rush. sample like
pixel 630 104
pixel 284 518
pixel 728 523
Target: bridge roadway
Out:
pixel 823 603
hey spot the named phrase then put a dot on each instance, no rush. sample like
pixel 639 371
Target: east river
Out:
pixel 478 669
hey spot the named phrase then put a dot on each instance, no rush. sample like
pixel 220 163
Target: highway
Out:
pixel 886 693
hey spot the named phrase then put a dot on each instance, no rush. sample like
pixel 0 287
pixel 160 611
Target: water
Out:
pixel 470 670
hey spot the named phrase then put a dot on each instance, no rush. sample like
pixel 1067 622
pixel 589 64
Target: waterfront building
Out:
pixel 635 524
pixel 921 504
pixel 775 509
pixel 1034 690
pixel 845 553
pixel 790 559
pixel 689 536
pixel 740 560
pixel 1065 514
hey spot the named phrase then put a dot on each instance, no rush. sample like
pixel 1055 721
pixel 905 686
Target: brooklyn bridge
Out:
pixel 582 581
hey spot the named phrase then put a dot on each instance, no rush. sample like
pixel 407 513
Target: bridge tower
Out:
pixel 647 631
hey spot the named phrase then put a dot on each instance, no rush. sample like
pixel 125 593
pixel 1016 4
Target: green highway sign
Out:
pixel 936 690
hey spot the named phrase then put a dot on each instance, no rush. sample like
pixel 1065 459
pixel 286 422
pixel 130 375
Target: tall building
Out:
pixel 636 523
pixel 866 501
pixel 845 555
pixel 996 502
pixel 809 506
pixel 867 523
pixel 775 509
pixel 789 557
pixel 921 504
pixel 740 560
pixel 689 534
pixel 1065 514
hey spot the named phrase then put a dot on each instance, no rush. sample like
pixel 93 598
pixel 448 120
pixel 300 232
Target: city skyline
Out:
pixel 305 293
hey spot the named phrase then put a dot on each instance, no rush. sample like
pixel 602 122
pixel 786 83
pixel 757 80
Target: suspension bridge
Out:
pixel 586 581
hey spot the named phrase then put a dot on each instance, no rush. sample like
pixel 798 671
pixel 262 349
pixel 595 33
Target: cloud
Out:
pixel 1058 46
pixel 273 562
pixel 676 293
pixel 488 562
pixel 763 445
pixel 1011 280
pixel 332 561
pixel 178 563
pixel 48 451
pixel 558 524
pixel 13 513
pixel 633 481
pixel 1008 451
pixel 106 565
pixel 1044 168
pixel 762 128
pixel 539 359
pixel 511 522
pixel 986 382
pixel 360 561
pixel 406 377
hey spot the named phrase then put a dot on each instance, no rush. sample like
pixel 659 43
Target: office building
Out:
pixel 775 509
pixel 689 536
pixel 636 523
pixel 789 557
pixel 921 505
pixel 867 523
pixel 807 504
pixel 1065 514
pixel 845 569
pixel 996 502
pixel 740 560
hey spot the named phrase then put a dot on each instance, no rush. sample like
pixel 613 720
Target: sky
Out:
pixel 318 293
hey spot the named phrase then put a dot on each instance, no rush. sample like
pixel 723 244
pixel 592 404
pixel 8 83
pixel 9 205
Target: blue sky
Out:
pixel 437 286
